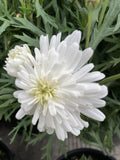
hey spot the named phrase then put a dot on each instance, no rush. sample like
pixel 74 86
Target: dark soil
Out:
pixel 3 155
pixel 80 158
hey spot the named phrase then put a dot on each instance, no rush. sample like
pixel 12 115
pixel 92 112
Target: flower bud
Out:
pixel 18 15
pixel 16 57
pixel 92 4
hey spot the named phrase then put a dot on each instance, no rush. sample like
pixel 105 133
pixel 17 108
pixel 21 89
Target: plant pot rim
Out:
pixel 81 151
pixel 5 148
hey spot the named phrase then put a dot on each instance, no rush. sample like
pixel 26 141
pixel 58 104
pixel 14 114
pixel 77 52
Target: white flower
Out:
pixel 59 87
pixel 16 57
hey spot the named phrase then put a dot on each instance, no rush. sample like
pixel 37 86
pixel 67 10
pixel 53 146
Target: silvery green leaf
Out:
pixel 118 24
pixel 46 18
pixel 31 41
pixel 106 28
pixel 4 26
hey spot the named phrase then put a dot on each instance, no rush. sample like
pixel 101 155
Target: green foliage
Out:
pixel 4 26
pixel 27 39
pixel 83 157
pixel 48 149
pixel 8 104
pixel 46 18
pixel 23 124
pixel 106 28
pixel 62 147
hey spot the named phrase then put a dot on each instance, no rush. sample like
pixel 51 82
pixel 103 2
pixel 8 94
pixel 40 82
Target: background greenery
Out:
pixel 23 21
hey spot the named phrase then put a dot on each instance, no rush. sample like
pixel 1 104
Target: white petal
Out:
pixel 45 108
pixel 59 105
pixel 74 37
pixel 29 68
pixel 50 121
pixel 98 94
pixel 72 55
pixel 53 42
pixel 67 126
pixel 92 77
pixel 52 110
pixel 86 55
pixel 30 59
pixel 57 119
pixel 83 71
pixel 91 88
pixel 44 44
pixel 35 116
pixel 20 114
pixel 75 131
pixel 58 38
pixel 99 103
pixel 27 108
pixel 21 84
pixel 16 93
pixel 72 120
pixel 57 68
pixel 60 132
pixel 61 49
pixel 86 124
pixel 50 130
pixel 93 113
pixel 37 55
pixel 41 123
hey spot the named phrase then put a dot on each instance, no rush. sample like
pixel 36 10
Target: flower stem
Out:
pixel 111 78
pixel 90 15
pixel 78 4
pixel 104 6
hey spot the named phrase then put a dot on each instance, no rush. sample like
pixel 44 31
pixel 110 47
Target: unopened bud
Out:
pixel 92 4
pixel 18 15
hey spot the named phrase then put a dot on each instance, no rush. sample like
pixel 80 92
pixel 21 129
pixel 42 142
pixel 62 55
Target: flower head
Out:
pixel 16 57
pixel 92 4
pixel 57 87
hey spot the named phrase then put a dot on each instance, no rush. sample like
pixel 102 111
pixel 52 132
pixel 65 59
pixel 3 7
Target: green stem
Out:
pixel 5 2
pixel 111 78
pixel 78 4
pixel 104 7
pixel 90 15
pixel 38 22
pixel 5 43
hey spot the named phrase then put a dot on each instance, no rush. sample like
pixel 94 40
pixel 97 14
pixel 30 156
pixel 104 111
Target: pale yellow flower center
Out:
pixel 13 54
pixel 18 51
pixel 42 91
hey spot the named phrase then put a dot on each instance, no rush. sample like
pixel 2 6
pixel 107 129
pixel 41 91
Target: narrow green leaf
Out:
pixel 111 78
pixel 106 29
pixel 30 41
pixel 4 80
pixel 6 91
pixel 6 96
pixel 13 137
pixel 7 103
pixel 83 157
pixel 38 137
pixel 118 24
pixel 46 18
pixel 26 24
pixel 4 26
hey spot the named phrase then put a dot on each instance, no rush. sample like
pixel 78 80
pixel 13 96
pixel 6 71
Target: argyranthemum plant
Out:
pixel 56 86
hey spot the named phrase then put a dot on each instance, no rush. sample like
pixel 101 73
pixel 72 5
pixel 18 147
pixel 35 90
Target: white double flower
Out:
pixel 56 86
